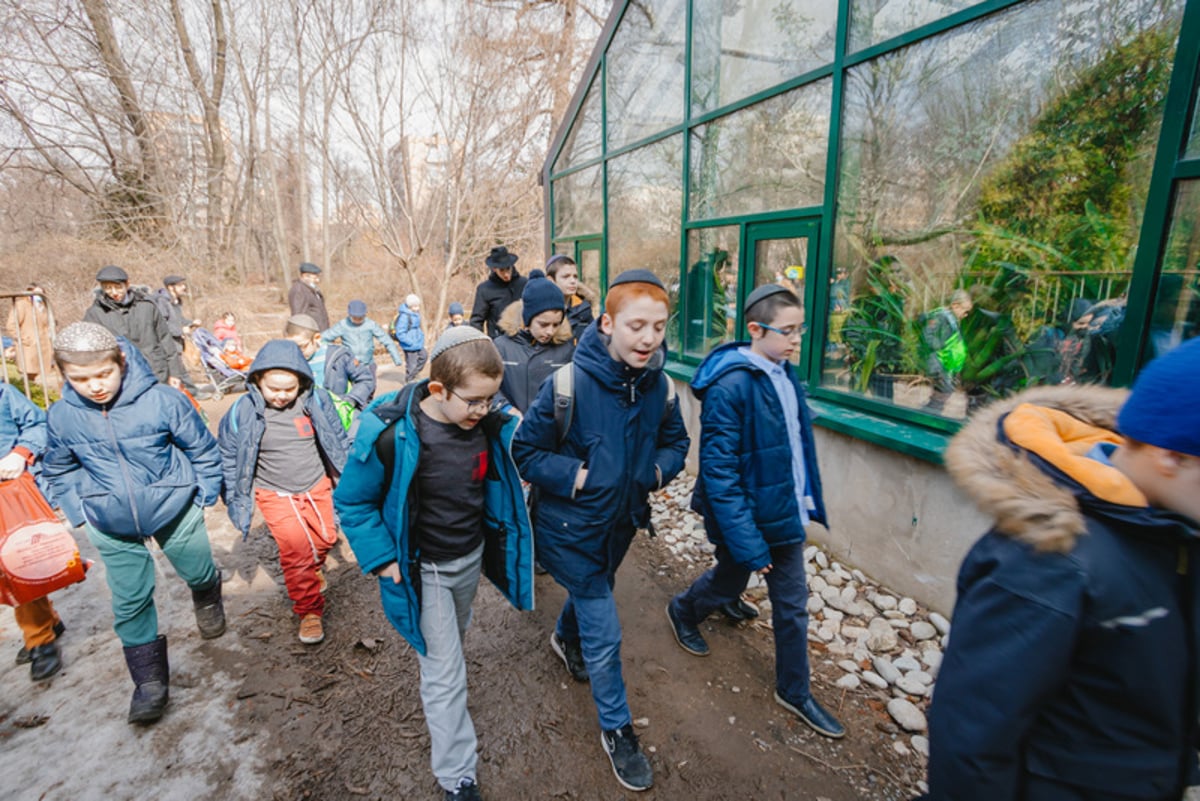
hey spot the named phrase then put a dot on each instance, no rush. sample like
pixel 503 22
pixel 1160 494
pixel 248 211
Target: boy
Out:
pixel 625 441
pixel 457 315
pixel 537 340
pixel 129 459
pixel 22 441
pixel 282 446
pixel 333 366
pixel 757 489
pixel 430 490
pixel 359 333
pixel 1072 670
pixel 410 335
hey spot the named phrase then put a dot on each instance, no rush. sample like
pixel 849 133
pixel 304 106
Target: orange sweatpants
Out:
pixel 36 619
pixel 304 529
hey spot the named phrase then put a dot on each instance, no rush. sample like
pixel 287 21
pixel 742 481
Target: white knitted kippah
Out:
pixel 84 337
pixel 453 337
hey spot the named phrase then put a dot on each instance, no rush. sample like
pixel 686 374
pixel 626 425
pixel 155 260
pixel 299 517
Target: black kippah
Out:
pixel 638 276
pixel 763 292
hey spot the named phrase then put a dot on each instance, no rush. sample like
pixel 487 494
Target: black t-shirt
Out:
pixel 450 475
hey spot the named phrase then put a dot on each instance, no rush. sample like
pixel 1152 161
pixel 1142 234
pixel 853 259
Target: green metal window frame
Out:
pixel 906 430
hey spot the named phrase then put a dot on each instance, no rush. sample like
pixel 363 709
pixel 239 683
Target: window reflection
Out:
pixel 707 306
pixel 578 203
pixel 873 21
pixel 1176 314
pixel 645 70
pixel 583 142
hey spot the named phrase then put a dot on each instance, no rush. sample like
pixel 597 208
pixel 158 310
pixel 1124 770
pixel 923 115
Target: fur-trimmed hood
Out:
pixel 1003 479
pixel 511 323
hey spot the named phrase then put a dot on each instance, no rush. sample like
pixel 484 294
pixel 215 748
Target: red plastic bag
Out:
pixel 38 555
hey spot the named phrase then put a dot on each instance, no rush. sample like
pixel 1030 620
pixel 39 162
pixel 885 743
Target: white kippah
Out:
pixel 453 337
pixel 85 337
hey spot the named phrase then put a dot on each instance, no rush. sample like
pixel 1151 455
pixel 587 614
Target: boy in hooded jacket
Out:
pixel 758 488
pixel 430 499
pixel 130 459
pixel 333 366
pixel 410 334
pixel 625 441
pixel 536 342
pixel 282 447
pixel 1072 671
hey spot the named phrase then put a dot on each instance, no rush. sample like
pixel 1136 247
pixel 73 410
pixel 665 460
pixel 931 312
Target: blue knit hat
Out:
pixel 540 295
pixel 1162 409
pixel 356 308
pixel 456 308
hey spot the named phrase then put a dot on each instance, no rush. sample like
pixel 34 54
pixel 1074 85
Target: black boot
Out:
pixel 210 612
pixel 46 661
pixel 151 674
pixel 23 657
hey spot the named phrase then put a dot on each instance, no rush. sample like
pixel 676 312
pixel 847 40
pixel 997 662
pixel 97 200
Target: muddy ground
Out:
pixel 257 715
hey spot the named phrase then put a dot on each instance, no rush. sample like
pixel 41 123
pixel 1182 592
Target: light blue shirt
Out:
pixel 790 402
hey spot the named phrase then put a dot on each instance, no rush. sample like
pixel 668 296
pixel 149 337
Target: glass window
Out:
pixel 873 21
pixel 707 311
pixel 1193 146
pixel 583 142
pixel 766 157
pixel 991 193
pixel 782 261
pixel 742 48
pixel 645 200
pixel 645 71
pixel 579 203
pixel 1176 314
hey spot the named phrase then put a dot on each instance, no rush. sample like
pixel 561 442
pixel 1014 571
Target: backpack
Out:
pixel 564 399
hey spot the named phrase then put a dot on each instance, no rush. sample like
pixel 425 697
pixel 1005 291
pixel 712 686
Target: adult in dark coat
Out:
pixel 493 295
pixel 129 312
pixel 305 295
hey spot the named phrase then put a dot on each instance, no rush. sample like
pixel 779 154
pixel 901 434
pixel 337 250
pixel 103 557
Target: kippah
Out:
pixel 84 337
pixel 1162 408
pixel 638 276
pixel 453 337
pixel 762 292
pixel 304 321
pixel 558 257
pixel 172 280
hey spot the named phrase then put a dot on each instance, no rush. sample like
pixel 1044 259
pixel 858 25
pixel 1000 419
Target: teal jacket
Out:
pixel 376 504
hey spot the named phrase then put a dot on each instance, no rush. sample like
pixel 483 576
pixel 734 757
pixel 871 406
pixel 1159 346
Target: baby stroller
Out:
pixel 221 376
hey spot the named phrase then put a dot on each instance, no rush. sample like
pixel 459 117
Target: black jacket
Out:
pixel 526 363
pixel 492 297
pixel 138 319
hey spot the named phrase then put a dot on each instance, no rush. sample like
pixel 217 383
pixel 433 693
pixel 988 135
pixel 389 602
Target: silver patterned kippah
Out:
pixel 85 338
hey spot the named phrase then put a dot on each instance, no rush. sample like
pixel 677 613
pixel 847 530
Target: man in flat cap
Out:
pixel 305 295
pixel 129 312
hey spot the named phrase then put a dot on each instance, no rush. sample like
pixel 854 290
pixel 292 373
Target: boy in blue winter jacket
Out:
pixel 757 489
pixel 626 439
pixel 409 332
pixel 360 333
pixel 430 498
pixel 282 446
pixel 130 459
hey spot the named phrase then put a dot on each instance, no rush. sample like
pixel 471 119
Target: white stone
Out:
pixel 920 744
pixel 849 595
pixel 856 633
pixel 862 655
pixel 810 552
pixel 821 559
pixel 906 663
pixel 849 682
pixel 832 579
pixel 911 685
pixel 893 614
pixel 921 676
pixel 908 606
pixel 810 570
pixel 900 748
pixel 815 604
pixel 884 667
pixel 849 665
pixel 755 581
pixel 884 602
pixel 940 623
pixel 874 679
pixel 906 714
pixel 641 723
pixel 816 584
pixel 932 658
pixel 834 615
pixel 898 624
pixel 858 576
pixel 922 630
pixel 882 636
pixel 826 632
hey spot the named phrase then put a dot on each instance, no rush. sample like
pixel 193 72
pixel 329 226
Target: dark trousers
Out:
pixel 788 590
pixel 414 360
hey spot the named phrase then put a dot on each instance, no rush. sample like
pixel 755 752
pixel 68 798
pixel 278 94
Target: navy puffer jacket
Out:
pixel 132 466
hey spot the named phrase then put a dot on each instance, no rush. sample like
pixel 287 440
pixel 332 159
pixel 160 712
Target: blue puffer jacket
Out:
pixel 408 329
pixel 242 427
pixel 619 432
pixel 745 490
pixel 347 378
pixel 361 339
pixel 377 503
pixel 22 424
pixel 130 467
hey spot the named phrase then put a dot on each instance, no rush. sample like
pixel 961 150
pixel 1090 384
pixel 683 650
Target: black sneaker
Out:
pixel 629 764
pixel 689 637
pixel 571 653
pixel 467 790
pixel 738 610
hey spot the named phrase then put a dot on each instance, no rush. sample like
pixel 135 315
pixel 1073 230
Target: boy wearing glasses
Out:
pixel 430 498
pixel 758 488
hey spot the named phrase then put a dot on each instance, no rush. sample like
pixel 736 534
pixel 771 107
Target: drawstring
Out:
pixel 300 518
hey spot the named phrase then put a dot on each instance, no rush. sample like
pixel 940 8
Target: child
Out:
pixel 232 356
pixel 359 333
pixel 410 335
pixel 458 315
pixel 625 441
pixel 333 366
pixel 129 459
pixel 429 489
pixel 563 272
pixel 22 441
pixel 536 342
pixel 758 488
pixel 282 446
pixel 225 330
pixel 1071 672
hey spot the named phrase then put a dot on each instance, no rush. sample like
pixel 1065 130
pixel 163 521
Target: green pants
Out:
pixel 130 571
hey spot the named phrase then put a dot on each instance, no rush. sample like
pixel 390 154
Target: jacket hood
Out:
pixel 1024 462
pixel 592 356
pixel 719 362
pixel 281 354
pixel 137 379
pixel 511 323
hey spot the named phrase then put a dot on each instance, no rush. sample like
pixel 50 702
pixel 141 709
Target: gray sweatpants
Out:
pixel 447 590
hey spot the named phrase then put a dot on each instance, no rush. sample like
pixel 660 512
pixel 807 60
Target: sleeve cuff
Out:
pixel 26 453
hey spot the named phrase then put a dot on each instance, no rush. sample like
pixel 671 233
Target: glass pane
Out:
pixel 579 203
pixel 767 157
pixel 992 190
pixel 1177 305
pixel 873 21
pixel 583 143
pixel 645 71
pixel 589 267
pixel 645 200
pixel 742 48
pixel 1193 146
pixel 708 308
pixel 783 262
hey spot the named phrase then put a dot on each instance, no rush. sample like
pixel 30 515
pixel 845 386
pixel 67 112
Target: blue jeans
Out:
pixel 787 588
pixel 594 623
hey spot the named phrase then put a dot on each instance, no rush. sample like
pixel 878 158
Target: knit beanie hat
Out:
pixel 456 308
pixel 356 308
pixel 1162 408
pixel 453 337
pixel 84 337
pixel 540 295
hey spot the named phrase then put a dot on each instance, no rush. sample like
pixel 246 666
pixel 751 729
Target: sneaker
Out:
pixel 629 764
pixel 571 653
pixel 467 790
pixel 45 661
pixel 689 637
pixel 738 610
pixel 311 630
pixel 815 716
pixel 23 656
pixel 322 582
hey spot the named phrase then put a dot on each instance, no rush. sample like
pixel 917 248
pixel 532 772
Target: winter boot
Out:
pixel 151 675
pixel 210 612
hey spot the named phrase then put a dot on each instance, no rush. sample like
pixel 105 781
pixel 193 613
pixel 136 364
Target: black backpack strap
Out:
pixel 564 400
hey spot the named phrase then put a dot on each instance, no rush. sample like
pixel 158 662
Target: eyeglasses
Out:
pixel 788 332
pixel 481 405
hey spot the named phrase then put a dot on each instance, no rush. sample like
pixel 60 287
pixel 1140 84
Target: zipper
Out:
pixel 137 523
